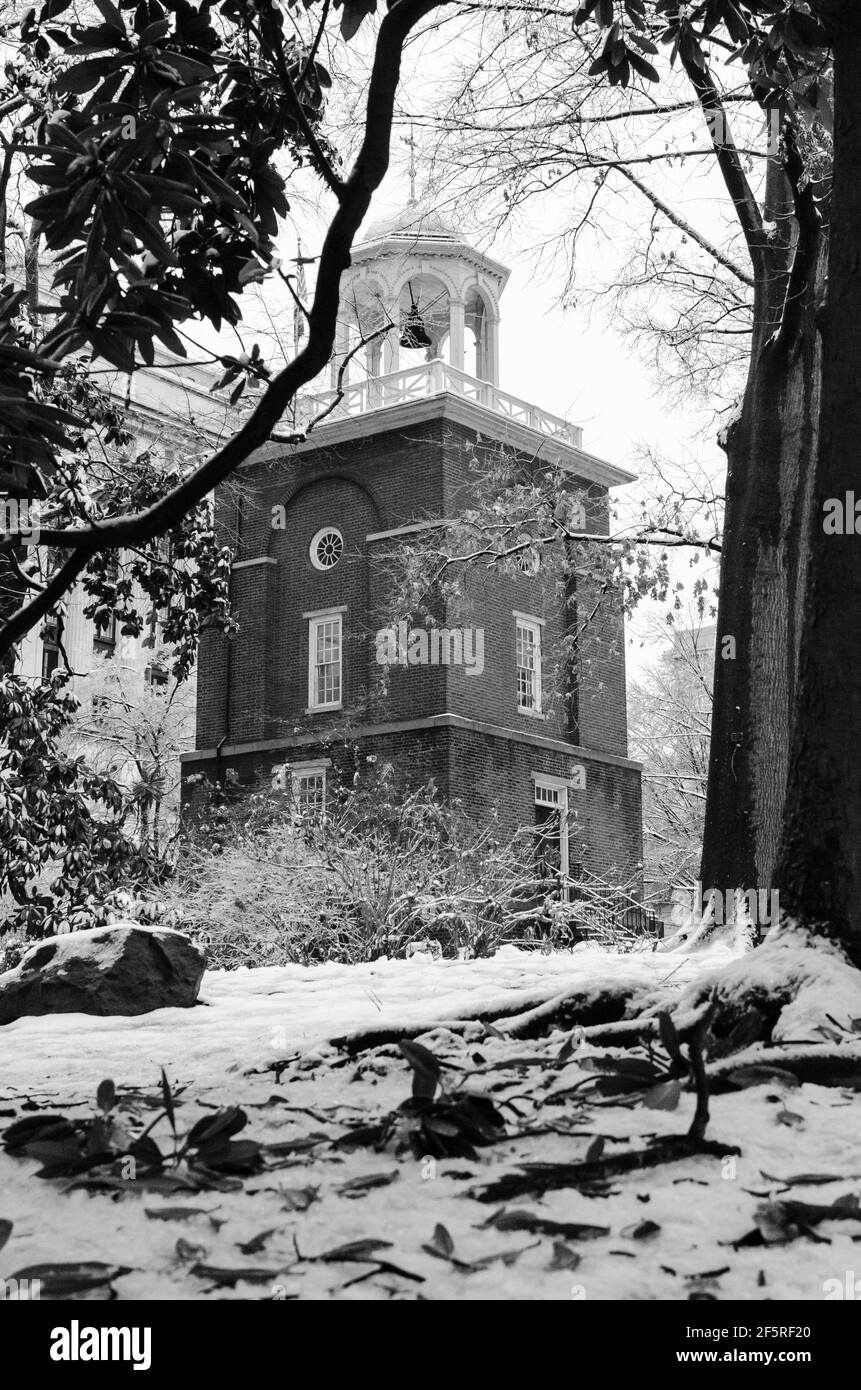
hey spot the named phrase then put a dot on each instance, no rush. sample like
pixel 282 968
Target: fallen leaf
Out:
pixel 228 1277
pixel 357 1187
pixel 174 1213
pixel 106 1095
pixel 563 1256
pixel 53 1127
pixel 256 1244
pixel 298 1198
pixel 441 1242
pixel 186 1251
pixel 530 1221
pixel 665 1096
pixel 296 1146
pixel 426 1069
pixel 641 1230
pixel 493 1032
pixel 803 1179
pixel 506 1257
pixel 355 1250
pixel 66 1280
pixel 848 1202
pixel 774 1223
pixel 832 1034
pixel 790 1119
pixel 743 1077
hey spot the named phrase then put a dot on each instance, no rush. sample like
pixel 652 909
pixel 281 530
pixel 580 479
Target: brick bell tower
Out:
pixel 295 700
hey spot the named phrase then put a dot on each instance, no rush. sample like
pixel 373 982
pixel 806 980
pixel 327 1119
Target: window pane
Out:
pixel 309 792
pixel 326 638
pixel 527 657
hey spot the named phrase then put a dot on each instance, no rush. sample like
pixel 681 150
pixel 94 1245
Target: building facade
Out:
pixel 320 678
pixel 169 412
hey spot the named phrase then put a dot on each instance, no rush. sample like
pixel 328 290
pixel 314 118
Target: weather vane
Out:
pixel 410 140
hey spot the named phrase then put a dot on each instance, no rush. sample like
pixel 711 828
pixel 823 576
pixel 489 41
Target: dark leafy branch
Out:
pixel 365 177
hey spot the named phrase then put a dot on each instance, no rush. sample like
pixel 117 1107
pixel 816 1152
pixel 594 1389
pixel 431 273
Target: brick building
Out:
pixel 300 697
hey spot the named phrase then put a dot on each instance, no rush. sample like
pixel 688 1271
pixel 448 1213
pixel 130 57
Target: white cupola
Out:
pixel 440 294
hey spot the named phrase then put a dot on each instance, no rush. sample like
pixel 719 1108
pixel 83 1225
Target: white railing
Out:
pixel 433 379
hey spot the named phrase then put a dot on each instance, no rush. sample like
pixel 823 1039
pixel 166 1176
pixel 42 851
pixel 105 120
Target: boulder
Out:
pixel 121 969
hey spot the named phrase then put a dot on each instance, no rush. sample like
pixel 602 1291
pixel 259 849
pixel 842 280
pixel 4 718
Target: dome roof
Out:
pixel 412 222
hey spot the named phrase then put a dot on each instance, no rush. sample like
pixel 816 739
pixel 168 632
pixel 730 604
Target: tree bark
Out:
pixel 771 451
pixel 819 869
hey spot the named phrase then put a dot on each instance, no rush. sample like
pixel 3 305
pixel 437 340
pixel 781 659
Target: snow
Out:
pixel 251 1017
pixel 246 1018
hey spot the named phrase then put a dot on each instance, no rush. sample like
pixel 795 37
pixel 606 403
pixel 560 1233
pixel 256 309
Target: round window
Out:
pixel 326 548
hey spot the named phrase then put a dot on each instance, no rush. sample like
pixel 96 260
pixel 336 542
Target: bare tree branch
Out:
pixel 686 227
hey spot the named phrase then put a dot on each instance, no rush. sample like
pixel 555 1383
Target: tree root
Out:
pixel 573 1009
pixel 550 1177
pixel 786 989
pixel 783 990
pixel 553 1176
pixel 568 1010
pixel 819 1064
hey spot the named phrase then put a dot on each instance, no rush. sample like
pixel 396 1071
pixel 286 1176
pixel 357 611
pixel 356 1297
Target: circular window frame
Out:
pixel 316 541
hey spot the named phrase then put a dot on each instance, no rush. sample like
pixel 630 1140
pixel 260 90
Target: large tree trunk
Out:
pixel 819 870
pixel 771 451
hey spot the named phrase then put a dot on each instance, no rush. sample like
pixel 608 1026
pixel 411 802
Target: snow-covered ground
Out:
pixel 249 1018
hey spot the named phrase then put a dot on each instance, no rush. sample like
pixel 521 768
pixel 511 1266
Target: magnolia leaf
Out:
pixel 106 1096
pixel 563 1256
pixel 426 1069
pixel 664 1096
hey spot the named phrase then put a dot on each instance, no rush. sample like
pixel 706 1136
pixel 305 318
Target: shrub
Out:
pixel 67 836
pixel 383 872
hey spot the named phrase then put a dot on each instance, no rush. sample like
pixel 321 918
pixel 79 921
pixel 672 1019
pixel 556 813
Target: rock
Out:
pixel 121 969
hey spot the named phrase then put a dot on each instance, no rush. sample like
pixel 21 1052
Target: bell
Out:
pixel 413 331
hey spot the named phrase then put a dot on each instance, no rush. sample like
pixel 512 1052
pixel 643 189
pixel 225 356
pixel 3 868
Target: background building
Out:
pixel 298 697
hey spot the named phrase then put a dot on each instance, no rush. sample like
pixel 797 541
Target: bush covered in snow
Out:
pixel 384 872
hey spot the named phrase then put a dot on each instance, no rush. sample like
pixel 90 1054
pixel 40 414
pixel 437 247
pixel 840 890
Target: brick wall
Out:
pixel 486 774
pixel 255 686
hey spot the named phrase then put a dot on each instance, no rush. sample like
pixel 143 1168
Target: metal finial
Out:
pixel 410 140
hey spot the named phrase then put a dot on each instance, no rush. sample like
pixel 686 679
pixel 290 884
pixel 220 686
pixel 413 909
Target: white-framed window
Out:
pixel 306 783
pixel 309 792
pixel 325 660
pixel 547 795
pixel 528 661
pixel 326 548
pixel 551 825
